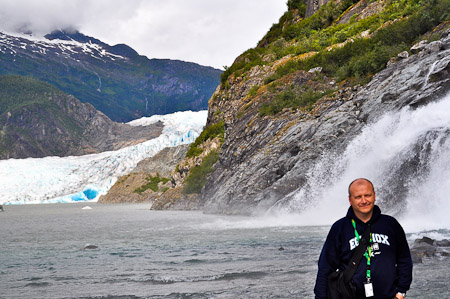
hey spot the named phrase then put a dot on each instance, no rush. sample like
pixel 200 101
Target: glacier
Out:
pixel 86 178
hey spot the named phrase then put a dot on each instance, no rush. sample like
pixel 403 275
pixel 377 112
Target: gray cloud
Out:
pixel 209 32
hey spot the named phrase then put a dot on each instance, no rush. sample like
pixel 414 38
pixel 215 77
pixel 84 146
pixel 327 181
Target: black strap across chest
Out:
pixel 357 255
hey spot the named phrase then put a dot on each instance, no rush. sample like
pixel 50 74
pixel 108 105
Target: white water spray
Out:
pixel 407 151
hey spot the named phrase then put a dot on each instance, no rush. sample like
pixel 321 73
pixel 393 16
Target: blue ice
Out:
pixel 87 194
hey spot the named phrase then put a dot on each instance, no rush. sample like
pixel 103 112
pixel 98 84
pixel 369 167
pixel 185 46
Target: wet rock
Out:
pixel 425 240
pixel 445 253
pixel 443 243
pixel 90 246
pixel 422 248
pixel 416 258
pixel 427 247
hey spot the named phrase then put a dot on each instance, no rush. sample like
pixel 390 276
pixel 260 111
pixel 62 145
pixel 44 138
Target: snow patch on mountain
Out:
pixel 11 42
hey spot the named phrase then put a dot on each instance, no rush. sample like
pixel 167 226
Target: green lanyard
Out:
pixel 368 252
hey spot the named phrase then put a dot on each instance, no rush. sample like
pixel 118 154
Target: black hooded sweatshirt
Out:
pixel 391 264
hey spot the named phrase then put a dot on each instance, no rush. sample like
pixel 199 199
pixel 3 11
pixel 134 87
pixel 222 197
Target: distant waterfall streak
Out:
pixel 405 154
pixel 99 89
pixel 429 72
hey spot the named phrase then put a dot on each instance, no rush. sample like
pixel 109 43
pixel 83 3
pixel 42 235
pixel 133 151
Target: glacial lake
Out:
pixel 138 253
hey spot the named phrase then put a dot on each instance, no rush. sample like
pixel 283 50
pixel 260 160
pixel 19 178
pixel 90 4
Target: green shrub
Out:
pixel 194 151
pixel 196 179
pixel 244 63
pixel 297 4
pixel 290 98
pixel 276 30
pixel 152 184
pixel 210 132
pixel 253 90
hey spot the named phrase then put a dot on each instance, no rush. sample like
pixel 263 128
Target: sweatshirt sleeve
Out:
pixel 404 262
pixel 328 262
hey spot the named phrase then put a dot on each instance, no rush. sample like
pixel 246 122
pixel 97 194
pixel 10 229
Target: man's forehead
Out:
pixel 361 183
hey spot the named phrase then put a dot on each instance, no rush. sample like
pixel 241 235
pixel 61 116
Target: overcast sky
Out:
pixel 208 32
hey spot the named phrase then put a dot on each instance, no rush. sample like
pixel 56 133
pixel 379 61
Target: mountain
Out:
pixel 348 90
pixel 114 79
pixel 39 120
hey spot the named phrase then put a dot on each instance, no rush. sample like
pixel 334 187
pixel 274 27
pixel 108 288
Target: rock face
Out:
pixel 313 5
pixel 428 248
pixel 361 8
pixel 160 165
pixel 265 159
pixel 163 162
pixel 40 121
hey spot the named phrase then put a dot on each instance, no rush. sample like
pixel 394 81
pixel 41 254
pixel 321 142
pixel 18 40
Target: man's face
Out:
pixel 362 198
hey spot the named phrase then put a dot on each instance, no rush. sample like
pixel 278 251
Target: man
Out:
pixel 388 271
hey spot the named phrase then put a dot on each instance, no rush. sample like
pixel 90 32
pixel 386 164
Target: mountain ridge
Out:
pixel 39 120
pixel 115 79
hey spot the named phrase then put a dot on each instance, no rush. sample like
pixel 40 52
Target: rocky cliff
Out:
pixel 38 120
pixel 264 160
pixel 310 87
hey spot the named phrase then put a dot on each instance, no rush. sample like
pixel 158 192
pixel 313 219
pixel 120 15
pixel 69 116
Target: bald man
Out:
pixel 385 270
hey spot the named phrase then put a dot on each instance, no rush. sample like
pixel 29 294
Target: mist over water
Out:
pixel 406 154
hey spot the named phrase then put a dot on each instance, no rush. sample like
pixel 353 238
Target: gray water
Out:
pixel 164 254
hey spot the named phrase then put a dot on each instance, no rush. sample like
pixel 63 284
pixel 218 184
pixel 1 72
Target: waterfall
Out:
pixel 427 77
pixel 406 154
